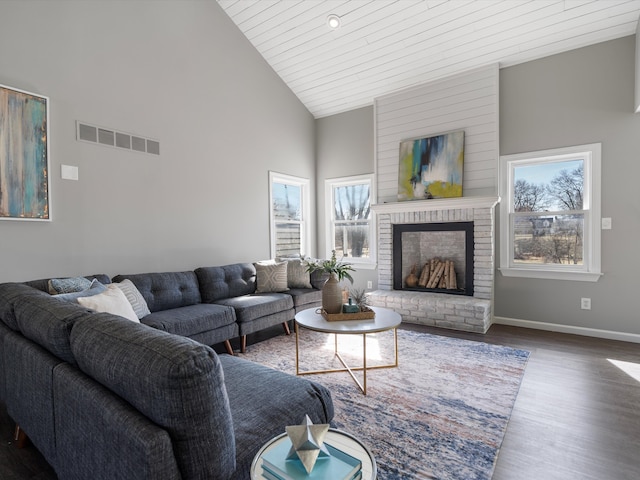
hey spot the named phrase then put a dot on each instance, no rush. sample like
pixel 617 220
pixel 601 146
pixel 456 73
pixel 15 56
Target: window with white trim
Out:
pixel 351 229
pixel 550 214
pixel 289 200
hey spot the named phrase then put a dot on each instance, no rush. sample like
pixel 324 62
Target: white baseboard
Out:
pixel 554 327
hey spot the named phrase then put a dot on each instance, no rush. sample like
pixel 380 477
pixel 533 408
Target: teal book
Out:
pixel 269 475
pixel 337 466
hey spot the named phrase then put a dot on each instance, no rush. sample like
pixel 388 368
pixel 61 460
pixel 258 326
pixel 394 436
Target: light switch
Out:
pixel 606 223
pixel 69 172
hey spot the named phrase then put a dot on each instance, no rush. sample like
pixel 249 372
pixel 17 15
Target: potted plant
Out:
pixel 337 271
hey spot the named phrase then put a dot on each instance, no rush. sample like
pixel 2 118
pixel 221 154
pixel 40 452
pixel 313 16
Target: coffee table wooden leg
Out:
pixel 20 437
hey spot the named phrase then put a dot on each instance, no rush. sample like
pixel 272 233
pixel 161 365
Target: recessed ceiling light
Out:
pixel 333 21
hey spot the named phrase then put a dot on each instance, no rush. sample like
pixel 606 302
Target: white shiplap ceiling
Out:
pixel 384 46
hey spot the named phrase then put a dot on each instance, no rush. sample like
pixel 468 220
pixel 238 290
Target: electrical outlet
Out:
pixel 369 284
pixel 585 303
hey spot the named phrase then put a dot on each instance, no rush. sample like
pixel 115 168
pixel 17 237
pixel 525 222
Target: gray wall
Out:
pixel 179 72
pixel 344 147
pixel 582 96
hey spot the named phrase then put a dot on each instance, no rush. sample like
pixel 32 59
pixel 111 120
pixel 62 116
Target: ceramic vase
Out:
pixel 332 295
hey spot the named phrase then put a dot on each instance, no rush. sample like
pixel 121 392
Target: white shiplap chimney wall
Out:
pixel 468 101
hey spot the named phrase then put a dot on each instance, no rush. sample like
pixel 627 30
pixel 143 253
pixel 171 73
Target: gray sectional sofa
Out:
pixel 215 304
pixel 103 397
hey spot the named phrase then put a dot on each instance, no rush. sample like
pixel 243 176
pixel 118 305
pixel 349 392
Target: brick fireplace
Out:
pixel 448 310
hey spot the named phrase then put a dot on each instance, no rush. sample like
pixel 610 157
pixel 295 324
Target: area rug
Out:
pixel 441 414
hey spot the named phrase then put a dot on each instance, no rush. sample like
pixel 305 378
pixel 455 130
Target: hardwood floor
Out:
pixel 577 415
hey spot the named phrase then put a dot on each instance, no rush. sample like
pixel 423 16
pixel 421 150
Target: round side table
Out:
pixel 336 438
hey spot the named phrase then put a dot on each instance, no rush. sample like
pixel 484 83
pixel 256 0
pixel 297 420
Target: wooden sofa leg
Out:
pixel 285 325
pixel 243 342
pixel 20 437
pixel 227 345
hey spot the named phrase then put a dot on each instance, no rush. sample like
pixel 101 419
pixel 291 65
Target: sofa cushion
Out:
pixel 48 322
pixel 271 277
pixel 9 293
pixel 191 320
pixel 227 281
pixel 255 421
pixel 305 296
pixel 251 307
pixel 135 298
pixel 163 291
pixel 112 300
pixel 176 382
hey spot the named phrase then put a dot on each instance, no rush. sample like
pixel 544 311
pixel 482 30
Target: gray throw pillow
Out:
pixel 271 277
pixel 94 289
pixel 135 298
pixel 297 275
pixel 68 285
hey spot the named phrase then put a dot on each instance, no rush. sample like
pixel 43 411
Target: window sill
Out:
pixel 551 274
pixel 361 265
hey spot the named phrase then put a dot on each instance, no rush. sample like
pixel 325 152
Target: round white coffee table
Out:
pixel 384 319
pixel 336 438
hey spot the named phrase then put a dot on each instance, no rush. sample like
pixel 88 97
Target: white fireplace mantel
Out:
pixel 436 204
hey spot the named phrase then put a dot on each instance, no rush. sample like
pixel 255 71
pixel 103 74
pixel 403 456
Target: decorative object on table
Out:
pixel 431 167
pixel 360 298
pixel 24 155
pixel 331 291
pixel 350 307
pixel 364 313
pixel 307 441
pixel 470 385
pixel 333 464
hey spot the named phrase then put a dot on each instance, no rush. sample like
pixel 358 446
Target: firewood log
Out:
pixel 444 282
pixel 452 276
pixel 424 276
pixel 435 278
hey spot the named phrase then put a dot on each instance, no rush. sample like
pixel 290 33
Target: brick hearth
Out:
pixel 440 309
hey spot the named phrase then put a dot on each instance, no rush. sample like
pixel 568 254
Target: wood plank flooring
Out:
pixel 577 415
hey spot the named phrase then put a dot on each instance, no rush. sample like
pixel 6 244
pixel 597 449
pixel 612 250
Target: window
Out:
pixel 550 214
pixel 351 227
pixel 289 215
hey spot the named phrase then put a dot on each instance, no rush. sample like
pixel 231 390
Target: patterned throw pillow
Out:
pixel 271 277
pixel 297 275
pixel 68 285
pixel 135 298
pixel 94 289
pixel 112 300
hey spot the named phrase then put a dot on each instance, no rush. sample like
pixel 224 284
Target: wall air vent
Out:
pixel 113 138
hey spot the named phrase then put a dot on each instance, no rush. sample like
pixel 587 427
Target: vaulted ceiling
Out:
pixel 384 46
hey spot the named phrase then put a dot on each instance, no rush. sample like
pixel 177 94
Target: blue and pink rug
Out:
pixel 441 414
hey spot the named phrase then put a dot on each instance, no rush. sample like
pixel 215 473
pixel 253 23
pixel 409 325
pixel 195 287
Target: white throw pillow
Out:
pixel 111 301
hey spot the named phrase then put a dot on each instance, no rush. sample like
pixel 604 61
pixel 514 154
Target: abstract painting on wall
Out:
pixel 431 167
pixel 24 155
